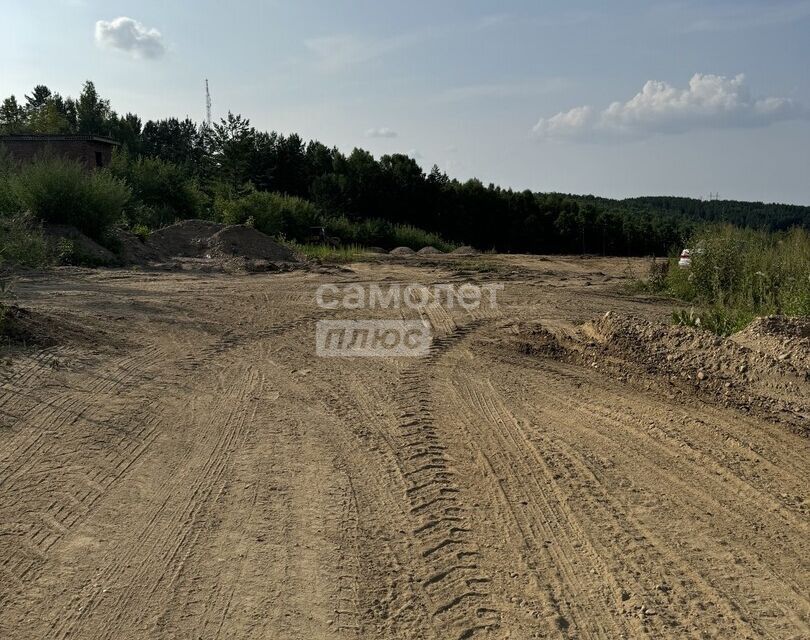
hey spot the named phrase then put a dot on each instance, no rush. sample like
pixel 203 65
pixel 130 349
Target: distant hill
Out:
pixel 758 215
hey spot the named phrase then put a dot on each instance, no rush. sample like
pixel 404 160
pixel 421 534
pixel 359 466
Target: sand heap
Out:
pixel 465 250
pixel 246 242
pixel 402 251
pixel 133 250
pixel 428 251
pixel 185 239
pixel 207 246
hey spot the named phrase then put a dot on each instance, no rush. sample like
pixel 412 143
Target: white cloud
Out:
pixel 131 36
pixel 710 101
pixel 381 132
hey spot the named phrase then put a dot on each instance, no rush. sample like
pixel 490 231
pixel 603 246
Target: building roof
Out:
pixel 47 137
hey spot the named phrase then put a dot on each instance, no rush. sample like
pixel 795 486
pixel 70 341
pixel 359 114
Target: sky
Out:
pixel 619 98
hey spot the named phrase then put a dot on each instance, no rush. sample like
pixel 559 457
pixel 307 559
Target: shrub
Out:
pixel 369 232
pixel 377 232
pixel 162 192
pixel 59 191
pixel 754 271
pixel 737 274
pixel 415 238
pixel 260 208
pixel 719 320
pixel 271 213
pixel 9 203
pixel 22 242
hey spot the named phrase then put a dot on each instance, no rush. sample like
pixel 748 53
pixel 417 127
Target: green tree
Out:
pixel 126 130
pixel 230 143
pixel 92 111
pixel 48 119
pixel 177 141
pixel 38 99
pixel 12 116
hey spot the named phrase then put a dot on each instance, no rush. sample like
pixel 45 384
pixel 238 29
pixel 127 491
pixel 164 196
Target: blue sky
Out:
pixel 518 93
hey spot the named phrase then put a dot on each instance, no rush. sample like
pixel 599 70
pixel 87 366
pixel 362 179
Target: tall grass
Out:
pixel 327 253
pixel 737 274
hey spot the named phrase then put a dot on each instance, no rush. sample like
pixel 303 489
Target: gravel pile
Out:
pixel 246 242
pixel 186 239
pixel 428 251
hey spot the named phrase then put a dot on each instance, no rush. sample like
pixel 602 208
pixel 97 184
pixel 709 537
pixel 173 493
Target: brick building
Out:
pixel 91 151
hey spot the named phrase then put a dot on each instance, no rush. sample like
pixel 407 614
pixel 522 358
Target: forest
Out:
pixel 172 169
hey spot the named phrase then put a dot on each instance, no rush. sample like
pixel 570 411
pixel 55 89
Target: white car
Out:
pixel 685 261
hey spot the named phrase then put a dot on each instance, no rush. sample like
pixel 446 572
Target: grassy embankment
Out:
pixel 737 275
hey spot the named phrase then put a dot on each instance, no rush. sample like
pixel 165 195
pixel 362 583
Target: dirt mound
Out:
pixel 246 242
pixel 402 251
pixel 465 250
pixel 200 245
pixel 188 239
pixel 133 250
pixel 787 339
pixel 23 326
pixel 781 326
pixel 429 251
pixel 693 360
pixel 77 247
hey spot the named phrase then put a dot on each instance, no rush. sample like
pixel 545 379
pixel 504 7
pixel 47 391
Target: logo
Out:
pixel 372 338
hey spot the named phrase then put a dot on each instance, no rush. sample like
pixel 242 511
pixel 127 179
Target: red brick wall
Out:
pixel 82 150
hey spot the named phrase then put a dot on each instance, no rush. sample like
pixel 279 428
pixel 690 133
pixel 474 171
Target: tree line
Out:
pixel 178 168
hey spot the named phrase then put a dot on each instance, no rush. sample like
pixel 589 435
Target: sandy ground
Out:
pixel 185 467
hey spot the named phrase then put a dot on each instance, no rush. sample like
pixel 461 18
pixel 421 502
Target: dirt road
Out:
pixel 183 466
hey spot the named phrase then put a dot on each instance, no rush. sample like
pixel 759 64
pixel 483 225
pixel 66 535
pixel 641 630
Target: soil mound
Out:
pixel 246 242
pixel 82 248
pixel 465 250
pixel 402 251
pixel 786 339
pixel 200 245
pixel 133 250
pixel 428 251
pixel 780 326
pixel 27 327
pixel 721 370
pixel 188 239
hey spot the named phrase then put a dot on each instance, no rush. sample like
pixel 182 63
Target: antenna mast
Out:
pixel 207 104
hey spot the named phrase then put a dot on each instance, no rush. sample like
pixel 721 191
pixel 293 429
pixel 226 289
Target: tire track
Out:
pixel 171 529
pixel 456 589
